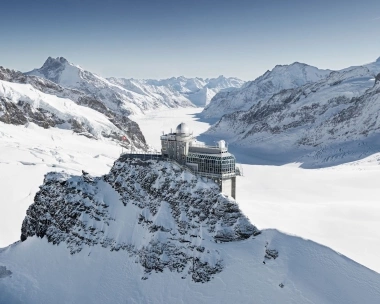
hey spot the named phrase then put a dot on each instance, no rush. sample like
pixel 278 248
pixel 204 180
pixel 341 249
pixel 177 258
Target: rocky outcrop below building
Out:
pixel 164 217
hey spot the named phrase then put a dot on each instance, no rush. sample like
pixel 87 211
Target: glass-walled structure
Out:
pixel 215 164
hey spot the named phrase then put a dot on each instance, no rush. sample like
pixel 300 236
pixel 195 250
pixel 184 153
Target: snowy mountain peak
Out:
pixel 262 88
pixel 60 71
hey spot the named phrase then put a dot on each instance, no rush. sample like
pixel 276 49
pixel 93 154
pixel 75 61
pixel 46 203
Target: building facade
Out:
pixel 214 162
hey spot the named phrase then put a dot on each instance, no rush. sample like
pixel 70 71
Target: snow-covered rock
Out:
pixel 177 213
pixel 322 123
pixel 22 103
pixel 17 113
pixel 262 88
pixel 149 232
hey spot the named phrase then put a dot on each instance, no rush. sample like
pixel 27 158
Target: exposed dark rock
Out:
pixel 4 272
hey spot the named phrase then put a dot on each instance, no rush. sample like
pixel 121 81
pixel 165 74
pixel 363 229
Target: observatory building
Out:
pixel 214 162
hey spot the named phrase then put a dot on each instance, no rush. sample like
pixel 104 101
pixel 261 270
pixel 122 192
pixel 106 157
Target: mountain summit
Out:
pixel 262 88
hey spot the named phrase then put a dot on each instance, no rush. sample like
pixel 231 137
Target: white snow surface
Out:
pixel 310 273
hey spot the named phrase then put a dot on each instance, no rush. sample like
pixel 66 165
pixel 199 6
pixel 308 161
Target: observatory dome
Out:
pixel 182 128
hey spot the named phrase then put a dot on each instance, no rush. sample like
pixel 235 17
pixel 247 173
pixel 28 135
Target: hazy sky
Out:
pixel 164 38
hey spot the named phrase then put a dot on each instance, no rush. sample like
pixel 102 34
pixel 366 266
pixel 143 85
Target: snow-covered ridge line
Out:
pixel 262 88
pixel 131 96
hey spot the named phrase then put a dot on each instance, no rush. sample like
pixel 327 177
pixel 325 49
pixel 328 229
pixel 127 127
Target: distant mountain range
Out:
pixel 196 90
pixel 303 114
pixel 132 96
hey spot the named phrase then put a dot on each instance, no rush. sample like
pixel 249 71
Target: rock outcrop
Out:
pixel 163 216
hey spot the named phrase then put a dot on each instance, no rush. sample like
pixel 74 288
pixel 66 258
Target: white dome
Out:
pixel 221 144
pixel 182 128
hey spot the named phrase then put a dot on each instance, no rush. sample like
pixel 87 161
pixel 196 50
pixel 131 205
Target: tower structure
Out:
pixel 214 162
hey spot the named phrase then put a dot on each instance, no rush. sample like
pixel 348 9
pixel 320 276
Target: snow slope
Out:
pixel 262 88
pixel 102 241
pixel 22 103
pixel 310 273
pixel 342 198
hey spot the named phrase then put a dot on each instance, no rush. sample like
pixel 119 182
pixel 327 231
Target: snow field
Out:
pixel 310 273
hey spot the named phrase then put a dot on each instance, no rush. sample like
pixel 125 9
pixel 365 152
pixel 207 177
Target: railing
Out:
pixel 142 156
pixel 159 156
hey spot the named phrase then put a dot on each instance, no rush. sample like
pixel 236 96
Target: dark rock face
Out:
pixel 57 64
pixel 73 210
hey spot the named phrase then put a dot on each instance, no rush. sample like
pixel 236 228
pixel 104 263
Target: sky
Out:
pixel 199 38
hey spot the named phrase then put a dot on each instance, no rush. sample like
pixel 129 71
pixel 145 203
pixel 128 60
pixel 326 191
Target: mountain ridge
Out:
pixel 26 99
pixel 262 88
pixel 320 116
pixel 127 96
